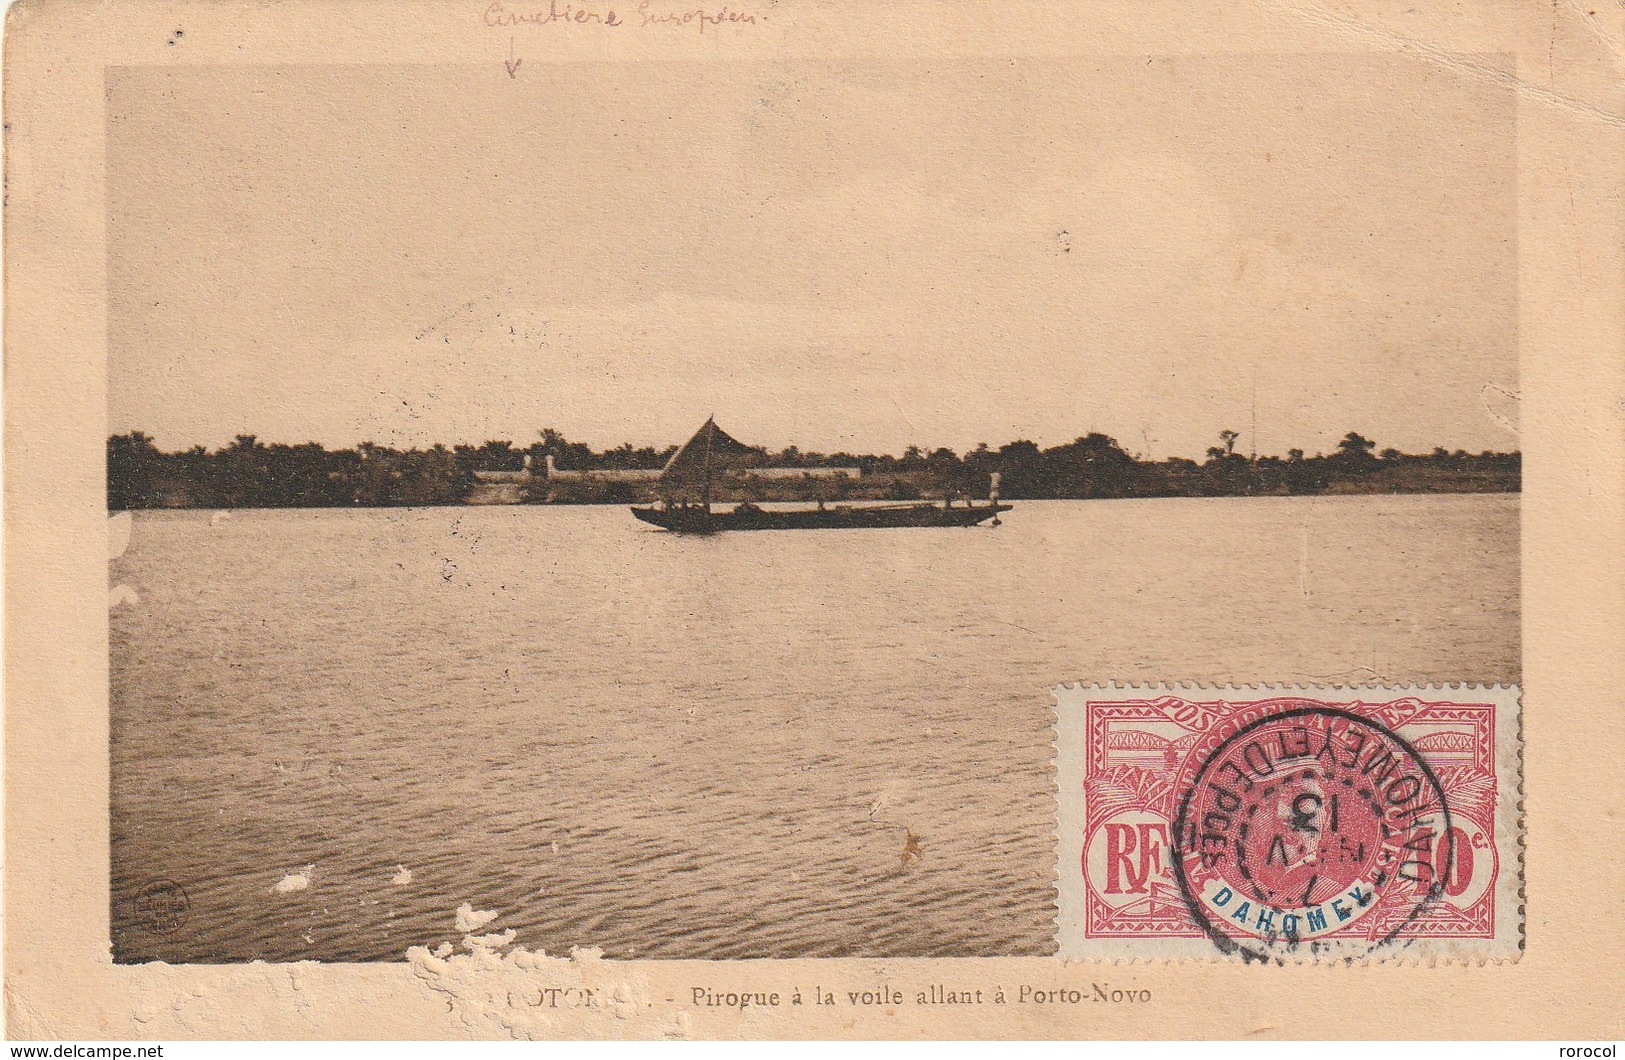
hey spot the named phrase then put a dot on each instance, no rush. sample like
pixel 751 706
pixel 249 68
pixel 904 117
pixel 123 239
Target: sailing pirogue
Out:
pixel 686 481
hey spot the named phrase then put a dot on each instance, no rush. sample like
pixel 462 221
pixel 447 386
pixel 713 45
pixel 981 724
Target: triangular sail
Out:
pixel 708 454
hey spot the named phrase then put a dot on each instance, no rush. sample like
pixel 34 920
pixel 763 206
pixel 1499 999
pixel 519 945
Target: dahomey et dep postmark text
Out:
pixel 1288 823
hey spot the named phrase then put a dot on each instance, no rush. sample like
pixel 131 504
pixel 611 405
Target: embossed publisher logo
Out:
pixel 162 907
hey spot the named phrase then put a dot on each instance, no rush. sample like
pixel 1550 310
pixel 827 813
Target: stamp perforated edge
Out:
pixel 1505 947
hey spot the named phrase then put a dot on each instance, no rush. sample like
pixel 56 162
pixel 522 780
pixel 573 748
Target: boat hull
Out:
pixel 699 521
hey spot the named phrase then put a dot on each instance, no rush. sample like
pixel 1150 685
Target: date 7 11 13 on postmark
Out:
pixel 1288 824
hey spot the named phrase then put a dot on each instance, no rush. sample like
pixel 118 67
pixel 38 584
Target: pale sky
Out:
pixel 851 256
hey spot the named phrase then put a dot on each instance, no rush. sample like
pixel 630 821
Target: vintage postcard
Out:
pixel 801 520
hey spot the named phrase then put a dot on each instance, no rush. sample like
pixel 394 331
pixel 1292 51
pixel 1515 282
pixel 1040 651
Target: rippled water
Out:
pixel 672 746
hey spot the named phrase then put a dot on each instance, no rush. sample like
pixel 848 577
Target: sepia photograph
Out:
pixel 648 507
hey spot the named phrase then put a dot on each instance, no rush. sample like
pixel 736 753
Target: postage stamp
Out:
pixel 1289 824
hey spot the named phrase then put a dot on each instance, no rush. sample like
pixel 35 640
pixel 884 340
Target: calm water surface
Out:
pixel 671 746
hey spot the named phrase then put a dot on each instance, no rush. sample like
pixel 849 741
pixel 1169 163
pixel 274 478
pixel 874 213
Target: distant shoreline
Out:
pixel 619 504
pixel 250 474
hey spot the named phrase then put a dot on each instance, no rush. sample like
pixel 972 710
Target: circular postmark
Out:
pixel 162 907
pixel 1310 830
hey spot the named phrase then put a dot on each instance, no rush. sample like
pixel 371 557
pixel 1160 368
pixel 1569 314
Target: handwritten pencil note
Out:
pixel 644 15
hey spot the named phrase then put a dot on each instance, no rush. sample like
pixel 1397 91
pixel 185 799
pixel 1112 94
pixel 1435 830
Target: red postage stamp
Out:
pixel 1289 824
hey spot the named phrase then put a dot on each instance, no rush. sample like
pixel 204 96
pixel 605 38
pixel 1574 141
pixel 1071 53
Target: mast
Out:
pixel 705 492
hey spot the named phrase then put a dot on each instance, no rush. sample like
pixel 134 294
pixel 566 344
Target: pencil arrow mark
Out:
pixel 510 62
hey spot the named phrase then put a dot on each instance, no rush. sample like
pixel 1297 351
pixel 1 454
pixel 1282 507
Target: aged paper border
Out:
pixel 60 982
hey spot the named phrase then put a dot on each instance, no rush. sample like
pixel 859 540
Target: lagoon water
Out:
pixel 683 747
